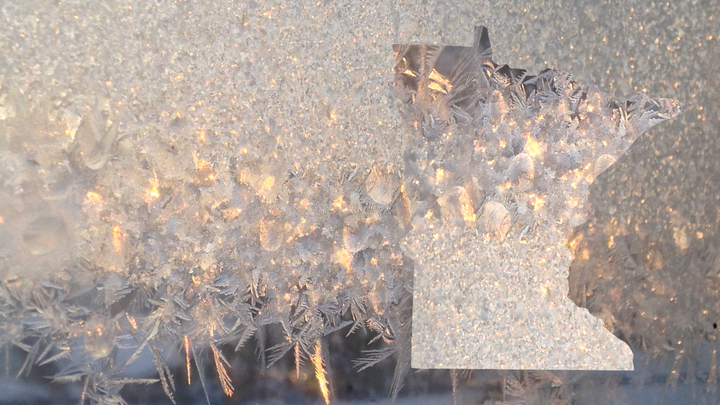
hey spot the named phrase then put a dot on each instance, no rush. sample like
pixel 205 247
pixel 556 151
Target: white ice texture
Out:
pixel 161 192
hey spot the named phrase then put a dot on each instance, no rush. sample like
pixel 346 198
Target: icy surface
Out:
pixel 95 224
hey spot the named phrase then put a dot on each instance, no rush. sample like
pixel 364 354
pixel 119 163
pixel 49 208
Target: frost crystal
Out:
pixel 208 184
pixel 501 162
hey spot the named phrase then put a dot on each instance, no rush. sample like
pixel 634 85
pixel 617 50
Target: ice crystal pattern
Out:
pixel 125 232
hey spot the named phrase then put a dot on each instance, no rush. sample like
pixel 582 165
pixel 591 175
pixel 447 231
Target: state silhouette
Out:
pixel 497 165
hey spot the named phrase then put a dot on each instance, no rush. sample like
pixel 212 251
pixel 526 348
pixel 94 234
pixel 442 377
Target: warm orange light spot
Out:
pixel 533 147
pixel 466 209
pixel 468 214
pixel 93 198
pixel 152 194
pixel 268 183
pixel 133 322
pixel 204 171
pixel 573 244
pixel 305 204
pixel 338 203
pixel 201 163
pixel 344 258
pixel 118 237
pixel 332 117
pixel 439 82
pixel 439 175
pixel 436 87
